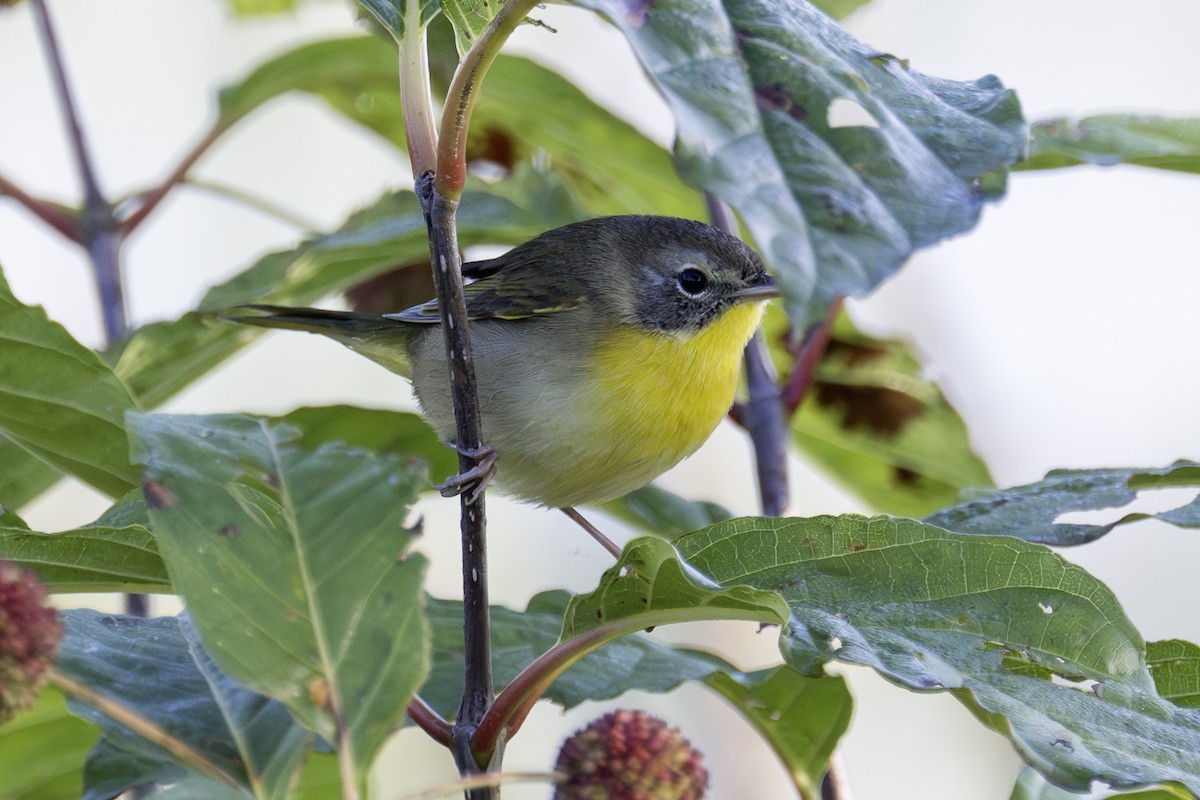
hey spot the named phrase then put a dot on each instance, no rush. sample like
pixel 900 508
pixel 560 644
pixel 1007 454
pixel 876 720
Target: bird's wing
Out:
pixel 517 285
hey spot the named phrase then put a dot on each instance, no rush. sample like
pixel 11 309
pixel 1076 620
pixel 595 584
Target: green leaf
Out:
pixel 261 8
pixel 22 477
pixel 835 208
pixel 1029 512
pixel 157 669
pixel 59 401
pixel 650 586
pixel 1032 786
pixel 392 14
pixel 877 425
pixel 1032 644
pixel 42 751
pixel 160 360
pixel 635 662
pixel 613 168
pixel 378 430
pixel 523 111
pixel 839 9
pixel 354 75
pixel 319 779
pixel 262 534
pixel 1175 665
pixel 664 514
pixel 469 18
pixel 802 718
pixel 1108 139
pixel 117 553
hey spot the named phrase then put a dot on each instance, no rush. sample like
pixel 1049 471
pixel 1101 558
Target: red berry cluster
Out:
pixel 29 634
pixel 630 755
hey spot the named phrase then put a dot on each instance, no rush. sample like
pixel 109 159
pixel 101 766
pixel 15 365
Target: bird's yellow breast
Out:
pixel 659 396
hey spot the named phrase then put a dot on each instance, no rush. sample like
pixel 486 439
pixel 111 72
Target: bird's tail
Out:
pixel 383 340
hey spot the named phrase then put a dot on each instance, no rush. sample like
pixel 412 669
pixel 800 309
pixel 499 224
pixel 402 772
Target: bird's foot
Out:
pixel 475 480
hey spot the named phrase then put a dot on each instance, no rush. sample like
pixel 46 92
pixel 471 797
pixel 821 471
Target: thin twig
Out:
pixel 254 201
pixel 489 780
pixel 47 212
pixel 605 542
pixel 144 727
pixel 804 369
pixel 148 201
pixel 99 232
pixel 477 647
pixel 835 785
pixel 430 721
pixel 460 98
pixel 101 235
pixel 764 418
pixel 762 415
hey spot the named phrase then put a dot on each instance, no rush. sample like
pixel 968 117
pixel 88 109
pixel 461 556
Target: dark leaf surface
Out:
pixel 1038 649
pixel 157 668
pixel 835 204
pixel 1030 512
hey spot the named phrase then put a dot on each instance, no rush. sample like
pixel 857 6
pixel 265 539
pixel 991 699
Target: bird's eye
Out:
pixel 692 281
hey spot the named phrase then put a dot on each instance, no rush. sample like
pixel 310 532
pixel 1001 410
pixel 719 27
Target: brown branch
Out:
pixel 47 212
pixel 430 721
pixel 809 358
pixel 148 201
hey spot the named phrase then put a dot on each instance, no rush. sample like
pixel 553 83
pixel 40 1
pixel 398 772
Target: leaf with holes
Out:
pixel 295 565
pixel 1029 512
pixel 1038 649
pixel 802 717
pixel 758 89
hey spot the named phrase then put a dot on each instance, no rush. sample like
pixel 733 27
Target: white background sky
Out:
pixel 1063 328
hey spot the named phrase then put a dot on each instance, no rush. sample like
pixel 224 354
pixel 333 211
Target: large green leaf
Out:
pixel 42 751
pixel 801 717
pixel 262 535
pixel 23 476
pixel 1032 644
pixel 59 401
pixel 1029 512
pixel 157 669
pixel 1032 786
pixel 834 8
pixel 159 360
pixel 114 554
pixel 523 110
pixel 1035 646
pixel 1175 665
pixel 834 206
pixel 1108 139
pixel 660 513
pixel 377 430
pixel 877 425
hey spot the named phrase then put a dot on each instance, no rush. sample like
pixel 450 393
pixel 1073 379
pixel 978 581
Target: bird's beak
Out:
pixel 764 289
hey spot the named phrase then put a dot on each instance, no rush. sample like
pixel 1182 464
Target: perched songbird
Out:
pixel 606 351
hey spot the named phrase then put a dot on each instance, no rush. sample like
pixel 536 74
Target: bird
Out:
pixel 606 351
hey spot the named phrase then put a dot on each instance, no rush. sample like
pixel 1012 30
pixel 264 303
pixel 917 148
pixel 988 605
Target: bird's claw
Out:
pixel 475 480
